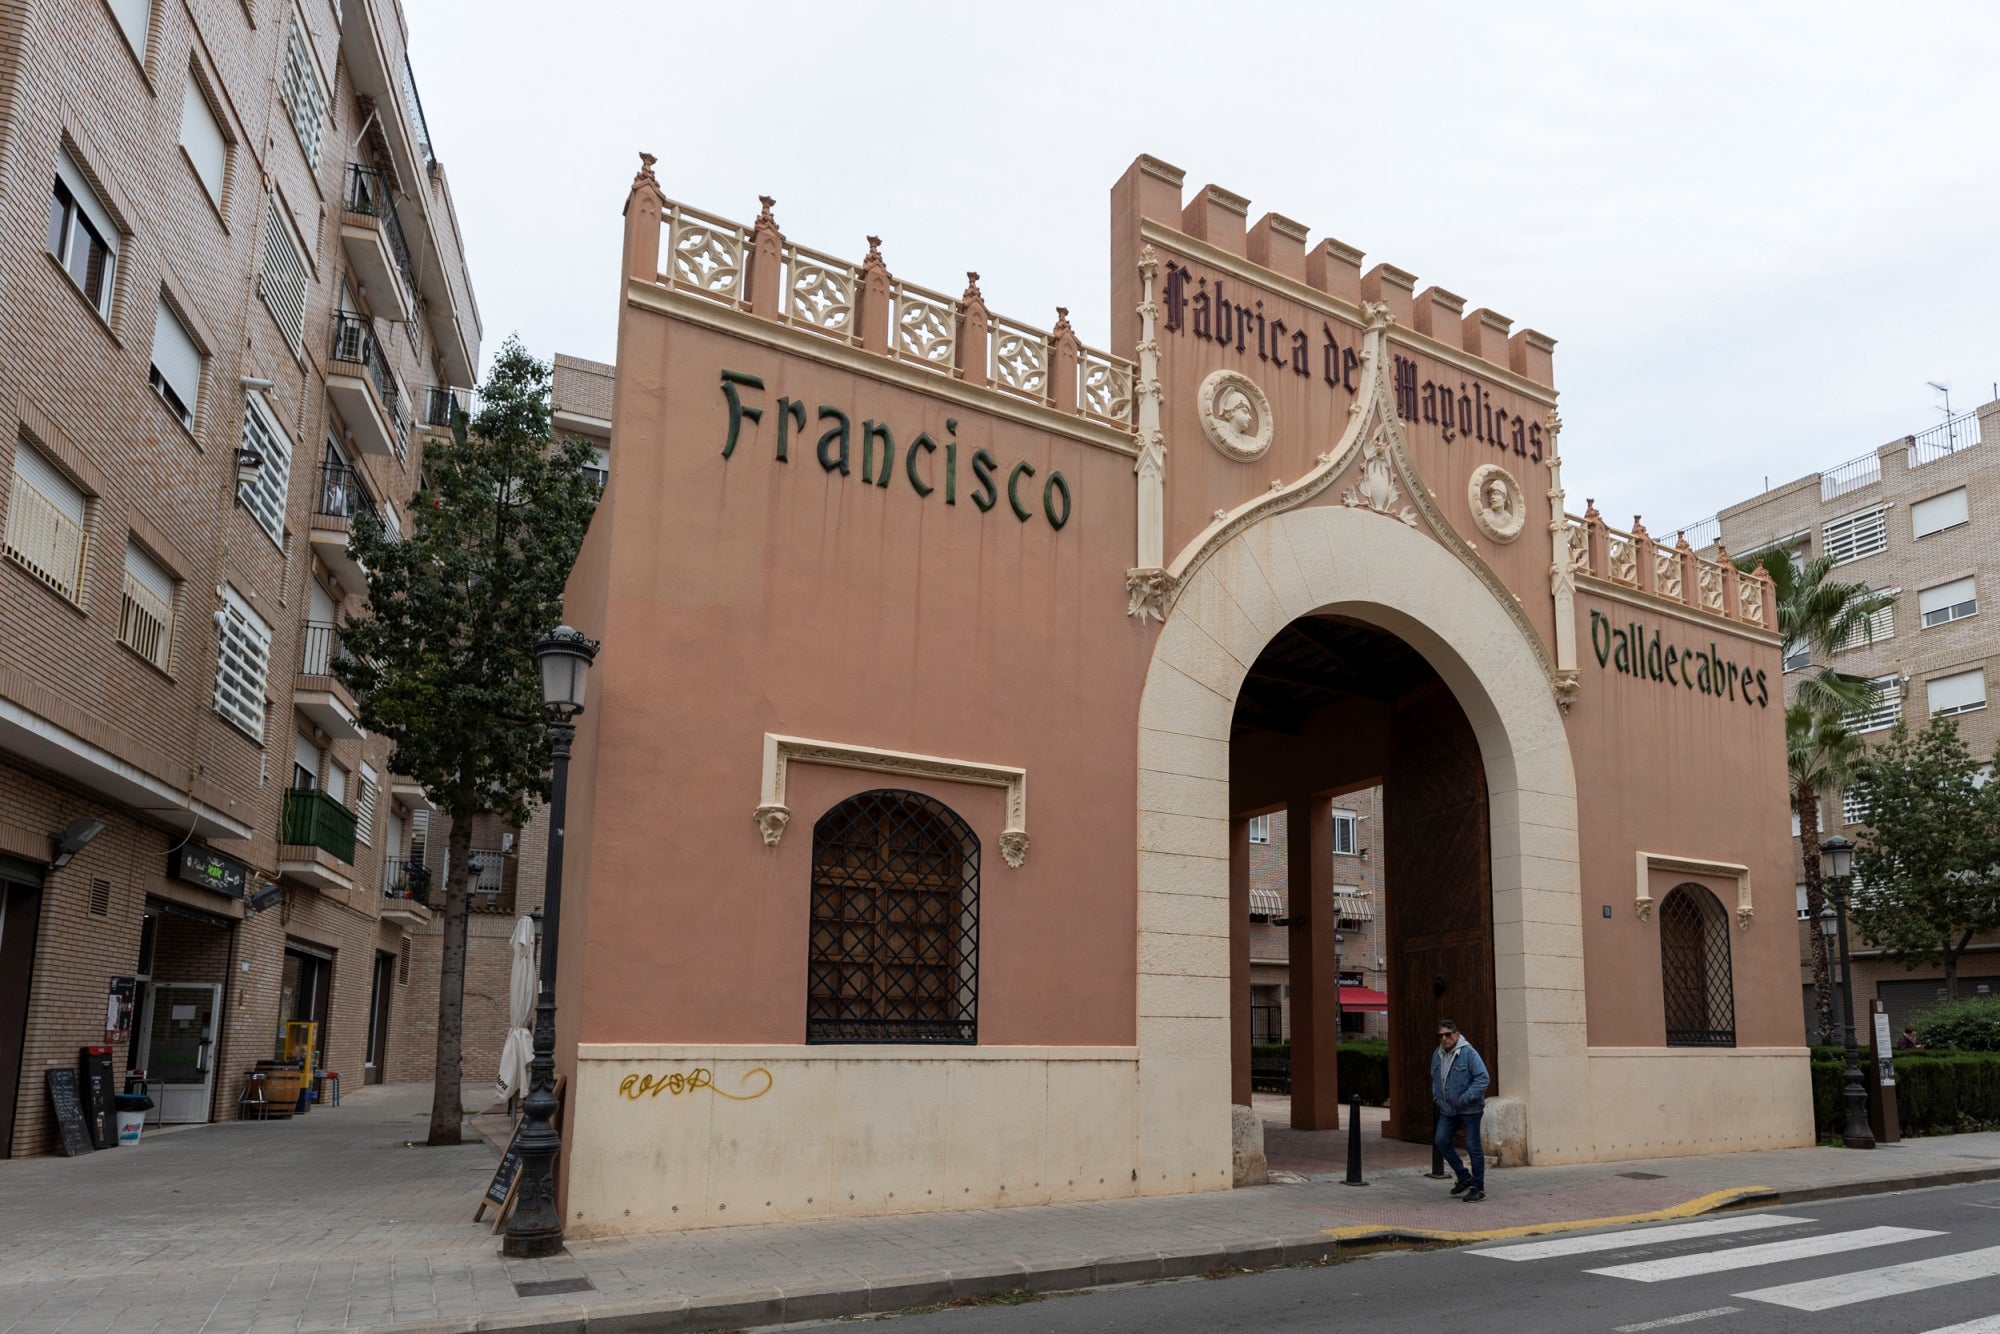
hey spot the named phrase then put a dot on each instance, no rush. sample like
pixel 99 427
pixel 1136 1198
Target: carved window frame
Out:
pixel 1654 861
pixel 780 752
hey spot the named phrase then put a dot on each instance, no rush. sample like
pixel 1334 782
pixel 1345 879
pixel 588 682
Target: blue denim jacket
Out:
pixel 1464 1091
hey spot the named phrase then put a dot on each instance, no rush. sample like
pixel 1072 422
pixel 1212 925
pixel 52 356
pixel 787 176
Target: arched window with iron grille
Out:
pixel 1694 969
pixel 894 950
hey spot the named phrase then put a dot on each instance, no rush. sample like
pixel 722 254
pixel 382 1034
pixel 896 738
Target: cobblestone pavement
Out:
pixel 331 1222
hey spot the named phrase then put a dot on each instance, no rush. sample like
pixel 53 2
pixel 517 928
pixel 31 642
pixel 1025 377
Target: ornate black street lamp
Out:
pixel 536 1226
pixel 1836 859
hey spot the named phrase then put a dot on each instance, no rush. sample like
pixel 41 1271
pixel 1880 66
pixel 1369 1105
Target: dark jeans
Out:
pixel 1448 1126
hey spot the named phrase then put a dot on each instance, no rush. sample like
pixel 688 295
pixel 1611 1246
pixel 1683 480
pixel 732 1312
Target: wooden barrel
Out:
pixel 281 1087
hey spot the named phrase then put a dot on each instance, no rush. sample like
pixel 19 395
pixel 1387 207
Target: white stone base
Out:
pixel 853 1130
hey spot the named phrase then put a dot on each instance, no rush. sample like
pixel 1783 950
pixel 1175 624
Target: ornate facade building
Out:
pixel 948 661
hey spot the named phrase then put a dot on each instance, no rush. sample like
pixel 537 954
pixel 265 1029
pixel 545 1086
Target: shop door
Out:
pixel 378 1017
pixel 20 914
pixel 180 1049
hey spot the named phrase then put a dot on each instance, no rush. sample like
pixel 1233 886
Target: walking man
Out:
pixel 1458 1087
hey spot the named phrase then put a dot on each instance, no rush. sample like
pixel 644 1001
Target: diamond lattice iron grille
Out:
pixel 1694 969
pixel 894 951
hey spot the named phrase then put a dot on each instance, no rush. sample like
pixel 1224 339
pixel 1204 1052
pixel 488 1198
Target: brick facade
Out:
pixel 1903 473
pixel 1363 946
pixel 91 725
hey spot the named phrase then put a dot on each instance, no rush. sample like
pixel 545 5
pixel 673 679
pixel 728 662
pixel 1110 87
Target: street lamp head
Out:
pixel 1829 923
pixel 564 656
pixel 1836 858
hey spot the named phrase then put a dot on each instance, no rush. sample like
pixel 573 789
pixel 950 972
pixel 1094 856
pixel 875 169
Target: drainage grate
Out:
pixel 1643 1176
pixel 544 1287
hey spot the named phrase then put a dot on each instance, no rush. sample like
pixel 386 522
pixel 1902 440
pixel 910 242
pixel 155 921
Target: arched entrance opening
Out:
pixel 1333 706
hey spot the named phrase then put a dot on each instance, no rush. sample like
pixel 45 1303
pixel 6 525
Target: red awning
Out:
pixel 1364 998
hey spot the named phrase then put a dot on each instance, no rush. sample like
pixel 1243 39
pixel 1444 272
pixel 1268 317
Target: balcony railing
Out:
pixel 1942 441
pixel 406 879
pixel 368 193
pixel 354 341
pixel 320 649
pixel 441 401
pixel 342 493
pixel 312 819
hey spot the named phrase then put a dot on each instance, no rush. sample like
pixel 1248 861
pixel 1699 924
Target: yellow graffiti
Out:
pixel 637 1086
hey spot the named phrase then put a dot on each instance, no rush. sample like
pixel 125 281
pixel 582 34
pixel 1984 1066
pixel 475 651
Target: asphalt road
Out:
pixel 1915 1263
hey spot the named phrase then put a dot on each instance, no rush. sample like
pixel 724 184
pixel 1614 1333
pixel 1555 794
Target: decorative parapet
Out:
pixel 1633 560
pixel 865 306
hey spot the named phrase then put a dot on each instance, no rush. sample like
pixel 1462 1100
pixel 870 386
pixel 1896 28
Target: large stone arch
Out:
pixel 1372 568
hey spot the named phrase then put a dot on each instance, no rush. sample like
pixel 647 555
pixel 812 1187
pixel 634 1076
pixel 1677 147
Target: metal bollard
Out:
pixel 1437 1172
pixel 1354 1142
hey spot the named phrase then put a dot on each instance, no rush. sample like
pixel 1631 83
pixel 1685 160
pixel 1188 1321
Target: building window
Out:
pixel 146 612
pixel 1885 711
pixel 1939 513
pixel 893 950
pixel 176 373
pixel 1800 889
pixel 1345 827
pixel 302 90
pixel 1962 692
pixel 1694 969
pixel 283 280
pixel 364 805
pixel 202 140
pixel 1856 535
pixel 598 469
pixel 243 659
pixel 1260 829
pixel 1871 629
pixel 46 532
pixel 135 20
pixel 306 758
pixel 1797 656
pixel 1854 808
pixel 81 236
pixel 1949 602
pixel 264 489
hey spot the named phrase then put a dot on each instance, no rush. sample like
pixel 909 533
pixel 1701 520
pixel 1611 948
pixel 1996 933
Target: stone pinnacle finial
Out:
pixel 646 161
pixel 765 216
pixel 874 255
pixel 1590 509
pixel 972 292
pixel 1062 322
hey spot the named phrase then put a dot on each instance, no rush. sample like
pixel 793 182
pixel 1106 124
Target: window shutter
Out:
pixel 72 176
pixel 55 488
pixel 1959 693
pixel 364 807
pixel 175 356
pixel 1949 602
pixel 265 494
pixel 243 653
pixel 146 613
pixel 135 19
pixel 284 279
pixel 1939 512
pixel 202 138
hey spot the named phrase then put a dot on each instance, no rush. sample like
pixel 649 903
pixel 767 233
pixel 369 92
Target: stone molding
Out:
pixel 1648 862
pixel 780 752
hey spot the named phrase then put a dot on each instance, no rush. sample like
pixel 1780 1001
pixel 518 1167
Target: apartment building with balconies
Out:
pixel 233 304
pixel 1917 520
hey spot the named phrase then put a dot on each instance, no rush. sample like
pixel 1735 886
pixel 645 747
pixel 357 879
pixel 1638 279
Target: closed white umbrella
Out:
pixel 520 1044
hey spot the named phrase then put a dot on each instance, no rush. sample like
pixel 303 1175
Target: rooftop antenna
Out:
pixel 1944 393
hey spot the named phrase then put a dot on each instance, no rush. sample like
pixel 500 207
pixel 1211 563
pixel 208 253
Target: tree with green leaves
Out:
pixel 442 661
pixel 1818 615
pixel 1927 872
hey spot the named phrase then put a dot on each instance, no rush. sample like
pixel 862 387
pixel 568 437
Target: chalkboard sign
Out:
pixel 68 1111
pixel 502 1184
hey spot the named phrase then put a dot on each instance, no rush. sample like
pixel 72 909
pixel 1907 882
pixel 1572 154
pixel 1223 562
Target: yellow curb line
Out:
pixel 1721 1199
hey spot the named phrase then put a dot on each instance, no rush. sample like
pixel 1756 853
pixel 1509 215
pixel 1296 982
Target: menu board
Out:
pixel 67 1108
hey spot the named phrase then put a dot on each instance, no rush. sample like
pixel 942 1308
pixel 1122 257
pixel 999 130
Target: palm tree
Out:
pixel 1820 756
pixel 1821 616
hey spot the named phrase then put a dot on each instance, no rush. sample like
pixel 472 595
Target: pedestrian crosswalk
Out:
pixel 1740 1246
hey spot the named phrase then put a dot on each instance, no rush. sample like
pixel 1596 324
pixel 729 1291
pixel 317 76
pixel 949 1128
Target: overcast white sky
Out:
pixel 1755 230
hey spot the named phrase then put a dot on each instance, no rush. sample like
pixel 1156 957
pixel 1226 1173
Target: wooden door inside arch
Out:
pixel 1439 899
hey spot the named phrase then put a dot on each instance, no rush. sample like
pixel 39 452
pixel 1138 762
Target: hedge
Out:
pixel 1937 1092
pixel 1364 1066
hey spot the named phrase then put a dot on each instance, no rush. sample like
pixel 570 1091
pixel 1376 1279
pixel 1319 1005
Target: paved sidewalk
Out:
pixel 330 1222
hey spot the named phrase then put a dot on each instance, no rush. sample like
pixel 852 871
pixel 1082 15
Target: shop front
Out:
pixel 964 654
